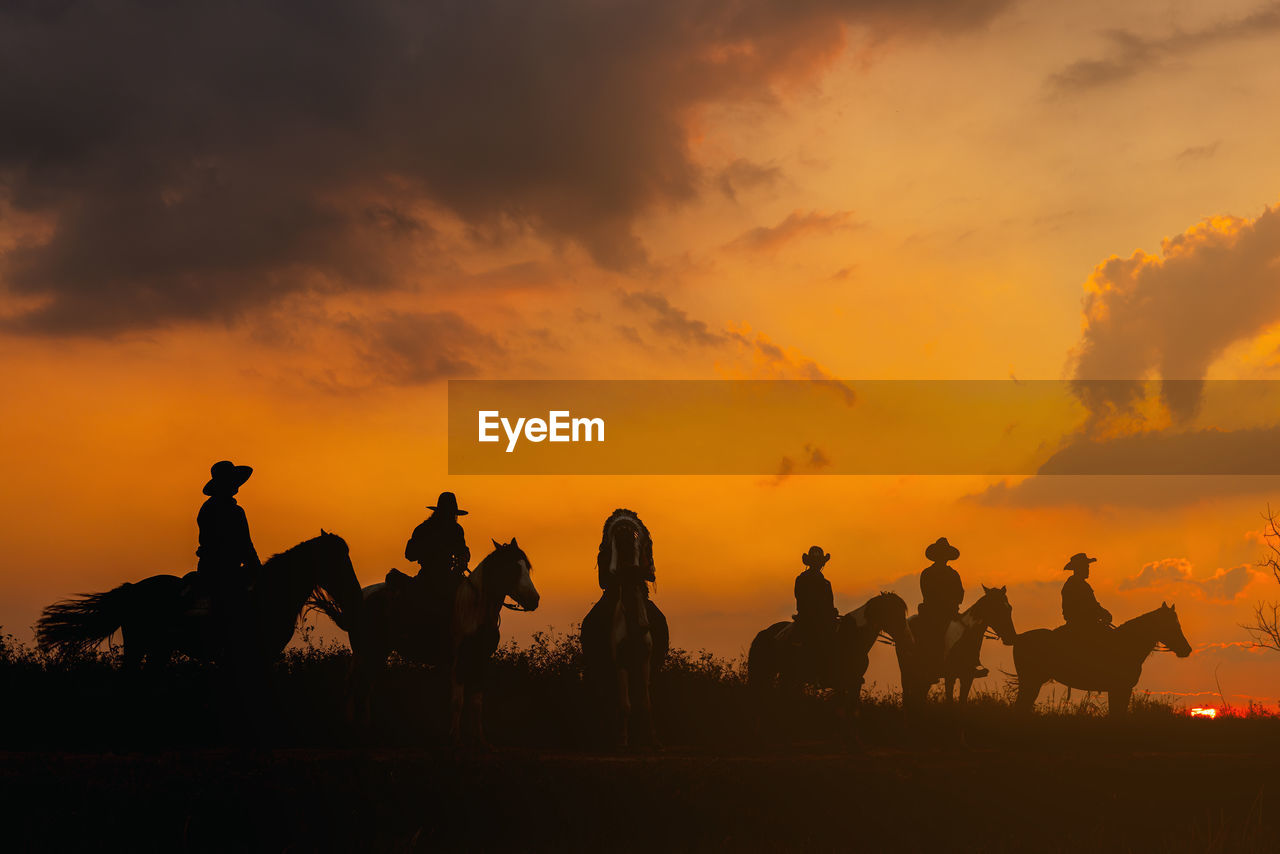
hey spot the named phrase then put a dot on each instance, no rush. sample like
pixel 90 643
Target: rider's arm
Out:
pixel 412 548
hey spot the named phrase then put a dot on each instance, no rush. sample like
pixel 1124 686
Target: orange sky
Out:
pixel 224 266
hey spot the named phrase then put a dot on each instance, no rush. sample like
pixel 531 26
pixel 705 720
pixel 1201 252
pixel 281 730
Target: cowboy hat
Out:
pixel 1079 560
pixel 226 475
pixel 941 551
pixel 815 557
pixel 447 503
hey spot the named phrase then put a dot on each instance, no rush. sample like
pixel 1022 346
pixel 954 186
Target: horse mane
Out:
pixel 1141 619
pixel 646 540
pixel 294 551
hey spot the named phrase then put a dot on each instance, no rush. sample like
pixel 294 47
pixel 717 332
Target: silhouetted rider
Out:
pixel 438 545
pixel 941 593
pixel 815 603
pixel 816 614
pixel 1080 608
pixel 227 558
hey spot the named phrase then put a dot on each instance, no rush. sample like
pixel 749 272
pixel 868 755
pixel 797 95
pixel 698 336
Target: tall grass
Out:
pixel 536 698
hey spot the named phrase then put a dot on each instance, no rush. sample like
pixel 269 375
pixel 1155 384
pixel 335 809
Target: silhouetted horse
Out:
pixel 1111 661
pixel 625 637
pixel 774 659
pixel 159 616
pixel 963 640
pixel 393 618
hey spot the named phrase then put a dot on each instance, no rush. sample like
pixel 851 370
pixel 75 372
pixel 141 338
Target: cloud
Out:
pixel 1224 585
pixel 811 461
pixel 194 161
pixel 415 348
pixel 744 175
pixel 1132 54
pixel 772 361
pixel 1199 152
pixel 1201 452
pixel 1174 314
pixel 672 322
pixel 796 226
pixel 1109 491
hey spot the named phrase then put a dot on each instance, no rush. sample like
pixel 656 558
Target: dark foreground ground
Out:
pixel 93 758
pixel 414 800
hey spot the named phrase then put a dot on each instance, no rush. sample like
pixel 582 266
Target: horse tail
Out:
pixel 76 626
pixel 762 666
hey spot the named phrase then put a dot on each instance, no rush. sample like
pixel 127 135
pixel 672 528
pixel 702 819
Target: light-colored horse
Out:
pixel 961 645
pixel 396 617
pixel 776 660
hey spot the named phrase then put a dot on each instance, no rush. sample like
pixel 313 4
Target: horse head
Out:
pixel 888 613
pixel 996 611
pixel 1170 630
pixel 506 572
pixel 334 572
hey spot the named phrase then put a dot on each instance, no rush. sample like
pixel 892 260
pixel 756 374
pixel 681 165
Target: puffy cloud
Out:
pixel 1224 585
pixel 1174 314
pixel 193 161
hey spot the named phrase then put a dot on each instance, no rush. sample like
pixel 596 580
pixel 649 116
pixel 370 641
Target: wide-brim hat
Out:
pixel 447 503
pixel 224 475
pixel 941 550
pixel 1078 560
pixel 815 557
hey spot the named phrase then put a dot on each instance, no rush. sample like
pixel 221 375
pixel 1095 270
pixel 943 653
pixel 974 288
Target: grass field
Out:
pixel 92 758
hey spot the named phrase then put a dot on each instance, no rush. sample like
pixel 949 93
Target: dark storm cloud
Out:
pixel 1131 54
pixel 193 161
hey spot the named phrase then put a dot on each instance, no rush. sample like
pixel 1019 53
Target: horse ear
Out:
pixel 1173 607
pixel 1164 604
pixel 496 544
pixel 986 589
pixel 513 542
pixel 323 532
pixel 1004 589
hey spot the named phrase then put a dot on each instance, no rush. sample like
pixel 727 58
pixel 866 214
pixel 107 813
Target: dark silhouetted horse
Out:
pixel 461 637
pixel 1110 660
pixel 164 614
pixel 776 660
pixel 625 636
pixel 962 642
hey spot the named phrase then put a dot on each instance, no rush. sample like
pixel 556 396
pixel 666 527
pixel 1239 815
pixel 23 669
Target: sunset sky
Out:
pixel 272 232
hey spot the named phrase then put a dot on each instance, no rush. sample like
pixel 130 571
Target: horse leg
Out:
pixel 475 712
pixel 646 698
pixel 1118 701
pixel 965 685
pixel 1028 691
pixel 949 687
pixel 623 675
pixel 457 698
